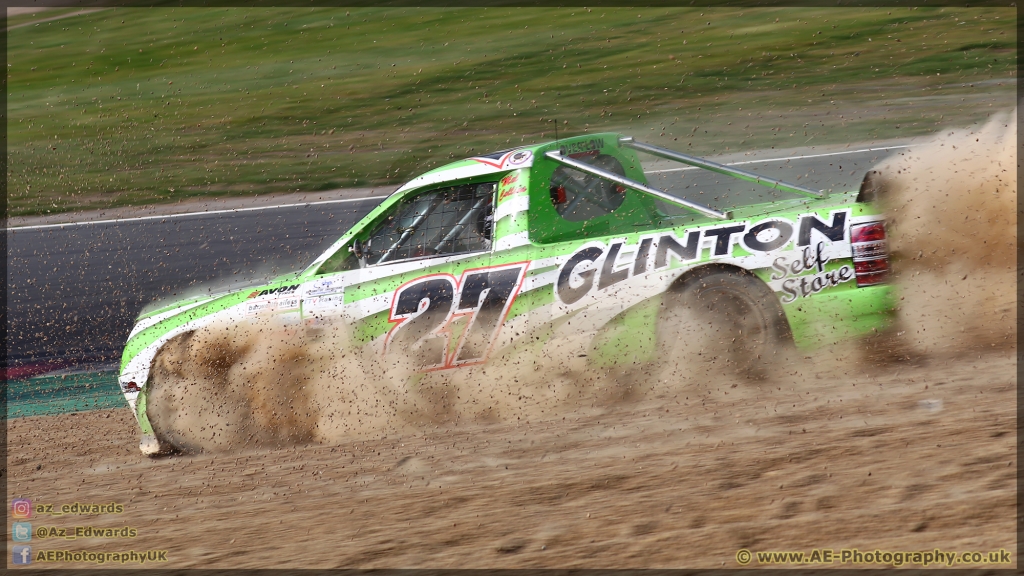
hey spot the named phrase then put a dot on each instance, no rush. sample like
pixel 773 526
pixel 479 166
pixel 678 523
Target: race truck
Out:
pixel 517 243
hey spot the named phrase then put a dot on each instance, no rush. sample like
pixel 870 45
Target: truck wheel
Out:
pixel 728 317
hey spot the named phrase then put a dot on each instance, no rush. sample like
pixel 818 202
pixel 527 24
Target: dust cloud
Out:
pixel 263 383
pixel 951 208
pixel 950 205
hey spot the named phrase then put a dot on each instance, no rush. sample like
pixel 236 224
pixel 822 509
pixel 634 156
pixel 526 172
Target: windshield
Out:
pixel 449 220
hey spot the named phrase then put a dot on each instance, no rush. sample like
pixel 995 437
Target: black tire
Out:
pixel 740 321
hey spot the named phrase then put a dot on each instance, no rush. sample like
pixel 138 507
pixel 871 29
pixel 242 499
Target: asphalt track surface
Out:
pixel 74 290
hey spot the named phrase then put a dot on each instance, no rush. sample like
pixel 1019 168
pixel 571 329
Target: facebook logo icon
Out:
pixel 22 555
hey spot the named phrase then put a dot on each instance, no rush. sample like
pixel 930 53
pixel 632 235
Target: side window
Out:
pixel 578 197
pixel 448 220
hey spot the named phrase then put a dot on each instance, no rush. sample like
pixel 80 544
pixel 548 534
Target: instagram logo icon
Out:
pixel 21 508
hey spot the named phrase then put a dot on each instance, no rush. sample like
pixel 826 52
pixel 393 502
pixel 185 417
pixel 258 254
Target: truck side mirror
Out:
pixel 356 248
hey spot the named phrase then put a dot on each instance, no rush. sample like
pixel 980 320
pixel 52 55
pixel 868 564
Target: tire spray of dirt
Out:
pixel 264 384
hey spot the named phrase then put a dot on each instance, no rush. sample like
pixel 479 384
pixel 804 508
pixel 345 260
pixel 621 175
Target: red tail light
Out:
pixel 870 253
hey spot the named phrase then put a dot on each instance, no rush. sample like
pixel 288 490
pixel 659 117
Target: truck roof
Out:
pixel 500 161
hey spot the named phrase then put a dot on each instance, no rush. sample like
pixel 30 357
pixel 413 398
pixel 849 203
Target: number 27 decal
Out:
pixel 424 310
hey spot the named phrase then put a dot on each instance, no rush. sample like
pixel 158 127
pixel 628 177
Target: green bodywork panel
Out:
pixel 638 211
pixel 150 335
pixel 630 337
pixel 832 317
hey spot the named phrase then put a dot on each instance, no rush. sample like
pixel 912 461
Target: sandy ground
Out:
pixel 913 455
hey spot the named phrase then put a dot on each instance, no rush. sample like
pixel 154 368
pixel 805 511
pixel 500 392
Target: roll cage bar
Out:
pixel 685 159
